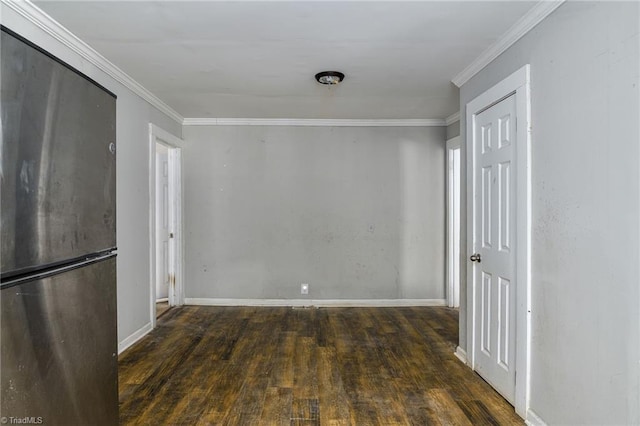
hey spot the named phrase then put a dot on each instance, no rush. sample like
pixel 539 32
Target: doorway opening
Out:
pixel 165 196
pixel 163 233
pixel 453 222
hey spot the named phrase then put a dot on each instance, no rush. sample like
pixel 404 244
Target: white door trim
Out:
pixel 176 247
pixel 453 291
pixel 517 84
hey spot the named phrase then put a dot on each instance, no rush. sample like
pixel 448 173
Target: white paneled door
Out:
pixel 494 246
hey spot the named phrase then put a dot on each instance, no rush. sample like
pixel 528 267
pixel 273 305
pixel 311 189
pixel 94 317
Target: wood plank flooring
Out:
pixel 161 308
pixel 284 366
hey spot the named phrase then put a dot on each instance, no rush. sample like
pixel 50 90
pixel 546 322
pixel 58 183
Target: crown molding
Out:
pixel 525 24
pixel 313 122
pixel 452 118
pixel 42 20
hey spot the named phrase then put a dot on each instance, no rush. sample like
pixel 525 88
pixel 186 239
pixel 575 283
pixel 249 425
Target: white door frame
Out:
pixel 453 290
pixel 176 244
pixel 517 84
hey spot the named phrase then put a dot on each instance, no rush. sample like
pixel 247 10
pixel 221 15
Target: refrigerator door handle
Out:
pixel 55 271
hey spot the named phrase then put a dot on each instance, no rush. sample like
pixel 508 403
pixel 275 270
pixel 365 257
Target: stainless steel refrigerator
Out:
pixel 58 259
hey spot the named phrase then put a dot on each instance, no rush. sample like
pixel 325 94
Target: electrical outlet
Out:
pixel 304 288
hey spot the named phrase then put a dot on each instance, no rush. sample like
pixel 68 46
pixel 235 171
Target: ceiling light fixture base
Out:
pixel 329 77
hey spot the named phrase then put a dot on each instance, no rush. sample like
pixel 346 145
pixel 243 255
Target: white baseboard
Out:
pixel 533 419
pixel 461 354
pixel 342 303
pixel 133 338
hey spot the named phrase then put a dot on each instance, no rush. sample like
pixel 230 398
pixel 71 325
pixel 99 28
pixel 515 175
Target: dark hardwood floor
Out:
pixel 161 308
pixel 284 366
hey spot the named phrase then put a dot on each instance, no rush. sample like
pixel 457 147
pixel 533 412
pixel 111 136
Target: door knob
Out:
pixel 170 234
pixel 475 258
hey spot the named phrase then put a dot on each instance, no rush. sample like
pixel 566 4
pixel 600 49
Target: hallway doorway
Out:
pixel 453 222
pixel 165 190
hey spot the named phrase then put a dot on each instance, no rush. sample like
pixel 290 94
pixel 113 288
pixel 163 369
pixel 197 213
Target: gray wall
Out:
pixel 453 130
pixel 132 178
pixel 358 213
pixel 585 183
pixel 132 182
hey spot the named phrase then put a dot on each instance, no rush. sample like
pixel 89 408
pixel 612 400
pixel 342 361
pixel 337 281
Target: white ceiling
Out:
pixel 258 59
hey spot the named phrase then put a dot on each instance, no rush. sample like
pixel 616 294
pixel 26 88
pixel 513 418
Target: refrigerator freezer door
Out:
pixel 59 348
pixel 58 161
